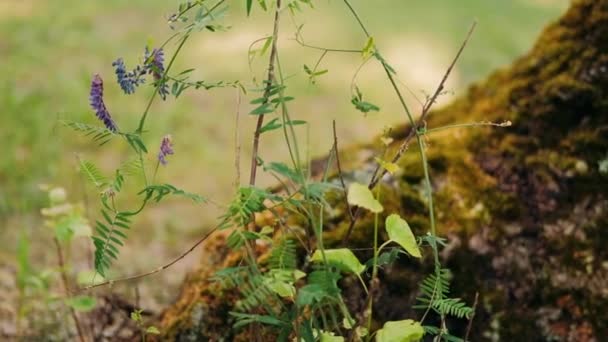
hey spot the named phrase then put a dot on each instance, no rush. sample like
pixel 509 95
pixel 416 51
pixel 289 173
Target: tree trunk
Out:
pixel 525 208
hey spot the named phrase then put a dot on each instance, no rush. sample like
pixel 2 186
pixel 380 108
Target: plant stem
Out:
pixel 66 286
pixel 372 286
pixel 142 121
pixel 269 81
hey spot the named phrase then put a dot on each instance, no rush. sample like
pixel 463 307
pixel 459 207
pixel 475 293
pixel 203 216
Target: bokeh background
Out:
pixel 50 49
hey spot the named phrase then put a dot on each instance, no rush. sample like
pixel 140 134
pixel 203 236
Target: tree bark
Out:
pixel 525 208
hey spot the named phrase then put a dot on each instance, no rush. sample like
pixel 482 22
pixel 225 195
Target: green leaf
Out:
pixel 285 171
pixel 310 294
pixel 364 107
pixel 101 135
pixel 244 319
pixel 267 44
pixel 136 316
pixel 342 258
pixel 263 4
pixel 385 258
pixel 390 167
pixel 282 288
pixel 81 303
pixel 64 231
pixel 400 331
pixel 360 195
pixel 92 173
pixel 152 330
pixel 263 109
pixel 275 124
pixel 330 337
pixel 399 231
pixel 368 48
pixel 249 3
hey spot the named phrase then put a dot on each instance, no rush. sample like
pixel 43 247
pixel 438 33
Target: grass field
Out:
pixel 50 49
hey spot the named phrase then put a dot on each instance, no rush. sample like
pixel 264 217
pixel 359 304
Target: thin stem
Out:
pixel 314 69
pixel 294 152
pixel 155 171
pixel 414 130
pixel 294 137
pixel 237 142
pixel 299 41
pixel 370 302
pixel 143 167
pixel 269 81
pixel 470 324
pixel 66 286
pixel 340 175
pixel 465 125
pixel 428 188
pixel 352 10
pixel 156 270
pixel 142 121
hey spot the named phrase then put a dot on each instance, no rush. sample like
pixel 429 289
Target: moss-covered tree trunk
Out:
pixel 525 208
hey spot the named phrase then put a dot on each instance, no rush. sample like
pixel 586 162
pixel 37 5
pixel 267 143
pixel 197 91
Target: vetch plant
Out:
pixel 295 297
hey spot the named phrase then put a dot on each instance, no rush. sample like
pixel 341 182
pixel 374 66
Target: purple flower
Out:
pixel 98 105
pixel 166 148
pixel 155 62
pixel 128 80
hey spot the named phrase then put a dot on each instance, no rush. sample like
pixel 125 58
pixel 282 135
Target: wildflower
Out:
pixel 155 62
pixel 166 148
pixel 123 77
pixel 128 80
pixel 98 105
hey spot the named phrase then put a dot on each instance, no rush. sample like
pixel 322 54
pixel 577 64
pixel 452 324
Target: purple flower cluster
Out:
pixel 98 105
pixel 128 80
pixel 166 148
pixel 155 63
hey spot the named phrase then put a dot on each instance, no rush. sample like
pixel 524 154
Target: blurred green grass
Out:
pixel 50 49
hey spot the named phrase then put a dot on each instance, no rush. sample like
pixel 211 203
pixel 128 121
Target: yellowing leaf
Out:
pixel 152 330
pixel 400 331
pixel 390 167
pixel 282 288
pixel 386 140
pixel 399 231
pixel 368 49
pixel 341 258
pixel 329 337
pixel 360 195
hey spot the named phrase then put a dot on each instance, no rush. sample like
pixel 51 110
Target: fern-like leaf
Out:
pixel 435 290
pixel 158 192
pixel 110 235
pixel 283 256
pixel 249 200
pixel 100 135
pixel 453 307
pixel 92 173
pixel 132 167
